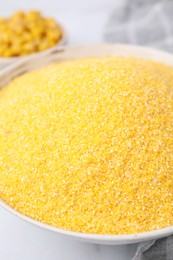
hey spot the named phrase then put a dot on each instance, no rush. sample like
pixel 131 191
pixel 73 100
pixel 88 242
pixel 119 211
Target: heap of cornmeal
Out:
pixel 87 145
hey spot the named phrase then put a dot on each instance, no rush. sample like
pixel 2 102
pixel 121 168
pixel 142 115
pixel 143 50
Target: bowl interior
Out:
pixel 59 54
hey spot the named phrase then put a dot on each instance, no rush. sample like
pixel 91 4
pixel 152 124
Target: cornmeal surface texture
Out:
pixel 87 145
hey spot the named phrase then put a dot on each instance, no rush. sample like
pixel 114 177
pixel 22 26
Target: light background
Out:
pixel 84 21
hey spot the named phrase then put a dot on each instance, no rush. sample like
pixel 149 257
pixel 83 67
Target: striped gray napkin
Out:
pixel 148 23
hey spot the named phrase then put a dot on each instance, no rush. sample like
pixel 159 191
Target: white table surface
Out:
pixel 84 22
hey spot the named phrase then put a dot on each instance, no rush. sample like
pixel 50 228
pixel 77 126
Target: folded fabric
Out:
pixel 142 22
pixel 161 249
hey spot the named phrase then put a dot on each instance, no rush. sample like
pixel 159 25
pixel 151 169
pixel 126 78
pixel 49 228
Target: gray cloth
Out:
pixel 161 249
pixel 149 23
pixel 142 22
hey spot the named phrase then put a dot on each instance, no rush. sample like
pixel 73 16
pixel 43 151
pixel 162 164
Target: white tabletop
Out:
pixel 20 240
pixel 84 22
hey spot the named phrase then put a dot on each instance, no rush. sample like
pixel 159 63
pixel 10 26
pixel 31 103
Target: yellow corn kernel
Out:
pixel 53 35
pixel 33 15
pixel 7 53
pixel 18 15
pixel 45 44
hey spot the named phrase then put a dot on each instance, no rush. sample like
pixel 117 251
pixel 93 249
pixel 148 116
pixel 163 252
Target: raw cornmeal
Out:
pixel 87 145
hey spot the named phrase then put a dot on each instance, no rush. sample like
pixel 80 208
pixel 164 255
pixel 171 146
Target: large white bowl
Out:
pixel 60 54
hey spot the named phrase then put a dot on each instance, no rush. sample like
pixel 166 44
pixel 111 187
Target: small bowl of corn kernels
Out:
pixel 28 33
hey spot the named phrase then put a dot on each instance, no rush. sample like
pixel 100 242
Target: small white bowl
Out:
pixel 59 54
pixel 8 61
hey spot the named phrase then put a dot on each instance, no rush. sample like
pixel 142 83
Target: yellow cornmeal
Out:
pixel 87 145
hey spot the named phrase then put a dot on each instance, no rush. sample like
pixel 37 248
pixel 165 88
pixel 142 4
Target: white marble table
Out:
pixel 84 22
pixel 20 240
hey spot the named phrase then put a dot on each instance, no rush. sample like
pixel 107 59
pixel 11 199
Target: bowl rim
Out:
pixel 65 53
pixel 99 238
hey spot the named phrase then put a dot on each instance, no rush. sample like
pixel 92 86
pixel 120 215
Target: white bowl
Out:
pixel 59 54
pixel 8 61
